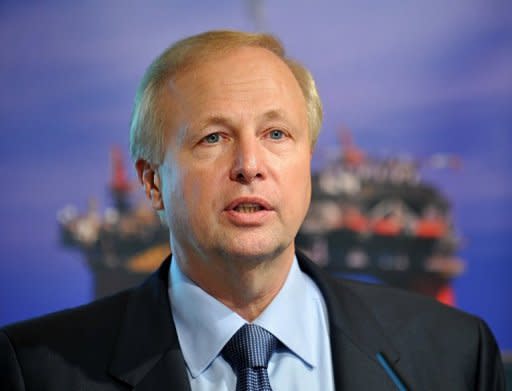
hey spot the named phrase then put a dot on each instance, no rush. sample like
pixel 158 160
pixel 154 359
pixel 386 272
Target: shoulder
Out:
pixel 415 323
pixel 83 333
pixel 55 350
pixel 89 346
pixel 402 313
pixel 97 316
pixel 403 307
pixel 431 338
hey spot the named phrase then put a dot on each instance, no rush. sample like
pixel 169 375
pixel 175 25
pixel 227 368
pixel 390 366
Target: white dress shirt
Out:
pixel 297 316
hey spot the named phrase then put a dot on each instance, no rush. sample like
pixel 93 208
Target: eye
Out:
pixel 212 138
pixel 276 134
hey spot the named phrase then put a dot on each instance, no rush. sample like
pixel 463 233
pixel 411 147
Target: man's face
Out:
pixel 236 173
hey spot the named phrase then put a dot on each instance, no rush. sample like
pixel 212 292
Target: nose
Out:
pixel 248 162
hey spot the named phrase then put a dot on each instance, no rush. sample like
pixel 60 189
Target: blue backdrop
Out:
pixel 407 77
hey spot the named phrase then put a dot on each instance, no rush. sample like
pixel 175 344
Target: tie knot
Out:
pixel 250 347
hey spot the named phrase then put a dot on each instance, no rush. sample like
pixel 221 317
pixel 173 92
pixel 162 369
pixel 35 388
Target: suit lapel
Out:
pixel 355 334
pixel 147 354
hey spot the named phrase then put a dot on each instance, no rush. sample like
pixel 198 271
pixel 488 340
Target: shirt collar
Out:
pixel 203 331
pixel 291 316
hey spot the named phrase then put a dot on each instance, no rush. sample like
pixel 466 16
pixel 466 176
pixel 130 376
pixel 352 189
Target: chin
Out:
pixel 253 253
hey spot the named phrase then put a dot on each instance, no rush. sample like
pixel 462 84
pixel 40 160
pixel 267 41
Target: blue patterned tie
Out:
pixel 248 353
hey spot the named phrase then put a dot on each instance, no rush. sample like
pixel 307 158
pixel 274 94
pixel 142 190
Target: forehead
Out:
pixel 245 75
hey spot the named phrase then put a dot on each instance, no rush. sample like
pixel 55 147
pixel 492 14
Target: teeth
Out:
pixel 248 208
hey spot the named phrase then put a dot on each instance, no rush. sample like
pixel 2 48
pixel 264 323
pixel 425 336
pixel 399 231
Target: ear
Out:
pixel 150 178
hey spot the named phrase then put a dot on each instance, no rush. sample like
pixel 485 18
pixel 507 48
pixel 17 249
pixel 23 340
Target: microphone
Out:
pixel 390 372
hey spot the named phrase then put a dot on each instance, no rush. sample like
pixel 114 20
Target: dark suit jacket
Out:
pixel 129 341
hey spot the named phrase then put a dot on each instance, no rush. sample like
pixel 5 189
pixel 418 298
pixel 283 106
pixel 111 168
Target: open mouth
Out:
pixel 248 208
pixel 248 205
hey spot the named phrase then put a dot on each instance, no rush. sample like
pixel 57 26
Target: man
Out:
pixel 222 135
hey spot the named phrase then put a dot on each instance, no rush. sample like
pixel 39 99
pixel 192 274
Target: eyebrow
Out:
pixel 273 114
pixel 215 119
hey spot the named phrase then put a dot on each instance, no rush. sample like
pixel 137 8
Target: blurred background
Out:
pixel 415 147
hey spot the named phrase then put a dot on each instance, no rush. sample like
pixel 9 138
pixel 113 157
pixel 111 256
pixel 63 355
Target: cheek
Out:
pixel 177 193
pixel 198 192
pixel 301 172
pixel 185 213
pixel 194 185
pixel 297 184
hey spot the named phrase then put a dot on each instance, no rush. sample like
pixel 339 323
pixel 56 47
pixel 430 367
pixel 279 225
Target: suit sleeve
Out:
pixel 11 378
pixel 489 372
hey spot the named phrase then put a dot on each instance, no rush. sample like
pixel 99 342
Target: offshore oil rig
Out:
pixel 375 217
pixel 369 216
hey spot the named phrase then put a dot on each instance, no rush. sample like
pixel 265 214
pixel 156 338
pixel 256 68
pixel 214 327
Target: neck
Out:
pixel 245 286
